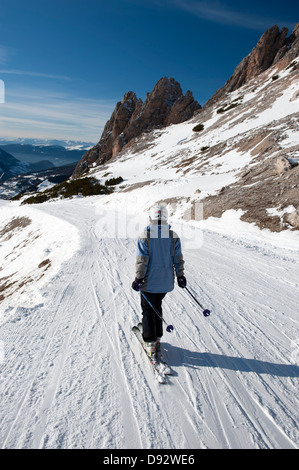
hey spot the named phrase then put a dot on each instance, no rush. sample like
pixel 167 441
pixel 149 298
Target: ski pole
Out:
pixel 169 328
pixel 205 311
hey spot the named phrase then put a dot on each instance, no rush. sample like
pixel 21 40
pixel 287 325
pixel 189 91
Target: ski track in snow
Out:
pixel 74 376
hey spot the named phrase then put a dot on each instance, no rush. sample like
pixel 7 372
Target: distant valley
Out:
pixel 56 154
pixel 25 164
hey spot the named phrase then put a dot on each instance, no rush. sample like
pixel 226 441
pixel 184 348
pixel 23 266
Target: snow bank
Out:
pixel 33 246
pixel 231 224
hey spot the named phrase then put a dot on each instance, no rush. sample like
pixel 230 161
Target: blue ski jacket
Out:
pixel 159 258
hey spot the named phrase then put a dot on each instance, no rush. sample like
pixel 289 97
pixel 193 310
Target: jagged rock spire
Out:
pixel 165 105
pixel 273 46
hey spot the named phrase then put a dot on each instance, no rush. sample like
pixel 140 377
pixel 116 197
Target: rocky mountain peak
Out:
pixel 273 46
pixel 164 105
pixel 166 89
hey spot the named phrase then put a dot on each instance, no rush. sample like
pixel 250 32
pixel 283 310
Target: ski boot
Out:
pixel 150 349
pixel 159 351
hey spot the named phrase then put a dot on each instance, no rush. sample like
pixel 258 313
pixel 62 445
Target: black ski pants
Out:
pixel 152 325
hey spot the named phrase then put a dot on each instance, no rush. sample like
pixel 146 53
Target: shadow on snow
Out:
pixel 195 360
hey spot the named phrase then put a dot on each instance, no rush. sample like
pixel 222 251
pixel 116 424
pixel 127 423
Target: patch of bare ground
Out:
pixel 25 282
pixel 134 186
pixel 186 162
pixel 8 286
pixel 5 283
pixel 14 282
pixel 273 183
pixel 15 224
pixel 45 264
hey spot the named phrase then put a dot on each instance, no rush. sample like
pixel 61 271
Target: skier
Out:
pixel 159 256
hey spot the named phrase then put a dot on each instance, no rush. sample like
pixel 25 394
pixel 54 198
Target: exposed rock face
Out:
pixel 165 105
pixel 293 219
pixel 260 58
pixel 112 136
pixel 182 109
pixel 290 50
pixel 282 165
pixel 258 190
pixel 270 49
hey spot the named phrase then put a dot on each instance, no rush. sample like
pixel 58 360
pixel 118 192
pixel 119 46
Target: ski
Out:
pixel 162 378
pixel 163 366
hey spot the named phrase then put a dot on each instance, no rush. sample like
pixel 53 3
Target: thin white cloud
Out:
pixel 33 74
pixel 38 113
pixel 219 12
pixel 4 54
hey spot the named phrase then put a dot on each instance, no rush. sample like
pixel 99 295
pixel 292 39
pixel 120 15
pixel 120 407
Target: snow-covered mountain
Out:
pixel 11 166
pixel 57 154
pixel 74 376
pixel 24 164
pixel 68 144
pixel 34 180
pixel 222 158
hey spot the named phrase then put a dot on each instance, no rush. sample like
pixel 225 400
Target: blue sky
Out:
pixel 65 63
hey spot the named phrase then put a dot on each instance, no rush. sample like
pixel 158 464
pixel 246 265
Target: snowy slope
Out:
pixel 72 375
pixel 33 247
pixel 181 166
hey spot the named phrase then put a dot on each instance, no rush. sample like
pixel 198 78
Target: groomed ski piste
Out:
pixel 74 376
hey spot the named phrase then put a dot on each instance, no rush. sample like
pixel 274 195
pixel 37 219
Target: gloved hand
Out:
pixel 137 284
pixel 182 282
